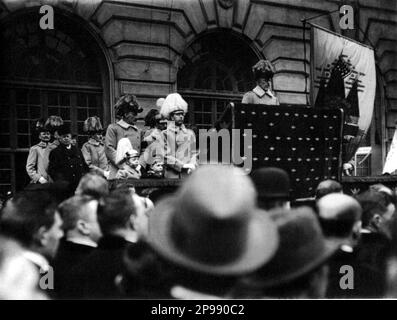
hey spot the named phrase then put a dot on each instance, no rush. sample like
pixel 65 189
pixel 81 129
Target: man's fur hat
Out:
pixel 92 125
pixel 52 123
pixel 174 102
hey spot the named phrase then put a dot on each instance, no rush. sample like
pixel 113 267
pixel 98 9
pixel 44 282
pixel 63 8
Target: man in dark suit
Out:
pixel 375 243
pixel 95 276
pixel 82 233
pixel 340 218
pixel 66 162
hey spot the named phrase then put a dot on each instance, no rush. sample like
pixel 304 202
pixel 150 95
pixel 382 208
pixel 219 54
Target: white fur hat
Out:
pixel 173 102
pixel 124 149
pixel 159 102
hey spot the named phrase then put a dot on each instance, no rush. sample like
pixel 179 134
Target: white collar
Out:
pixel 84 242
pixel 260 92
pixel 180 292
pixel 346 248
pixel 37 259
pixel 126 125
pixel 171 126
pixel 365 231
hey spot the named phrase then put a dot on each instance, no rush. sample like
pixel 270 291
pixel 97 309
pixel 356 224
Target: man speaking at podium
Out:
pixel 261 94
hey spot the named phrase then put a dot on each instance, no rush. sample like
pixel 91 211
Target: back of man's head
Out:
pixel 25 214
pixel 93 185
pixel 326 187
pixel 115 211
pixel 373 203
pixel 338 213
pixel 79 216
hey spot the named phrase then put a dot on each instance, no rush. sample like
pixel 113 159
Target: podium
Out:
pixel 306 142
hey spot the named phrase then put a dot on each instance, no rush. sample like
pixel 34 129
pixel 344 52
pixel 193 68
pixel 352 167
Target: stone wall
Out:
pixel 145 38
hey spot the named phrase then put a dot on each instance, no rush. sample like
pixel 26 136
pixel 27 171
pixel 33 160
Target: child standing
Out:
pixel 37 162
pixel 127 159
pixel 94 150
pixel 66 161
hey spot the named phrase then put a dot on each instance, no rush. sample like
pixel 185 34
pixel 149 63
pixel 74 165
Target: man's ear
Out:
pixel 41 236
pixel 376 220
pixel 81 226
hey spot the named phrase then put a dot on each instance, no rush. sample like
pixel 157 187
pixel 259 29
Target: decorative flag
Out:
pixel 343 76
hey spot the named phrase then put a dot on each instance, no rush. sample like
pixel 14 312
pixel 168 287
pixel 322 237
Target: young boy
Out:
pixel 37 162
pixel 127 159
pixel 66 161
pixel 94 150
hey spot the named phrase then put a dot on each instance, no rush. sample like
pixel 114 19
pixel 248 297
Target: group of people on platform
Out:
pixel 165 149
pixel 222 234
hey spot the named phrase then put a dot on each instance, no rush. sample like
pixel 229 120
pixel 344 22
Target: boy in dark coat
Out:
pixel 66 161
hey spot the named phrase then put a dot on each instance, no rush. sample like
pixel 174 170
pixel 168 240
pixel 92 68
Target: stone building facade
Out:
pixel 202 48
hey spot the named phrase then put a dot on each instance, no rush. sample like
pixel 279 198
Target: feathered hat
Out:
pixel 92 125
pixel 263 69
pixel 172 103
pixel 52 123
pixel 127 103
pixel 125 150
pixel 39 126
pixel 151 117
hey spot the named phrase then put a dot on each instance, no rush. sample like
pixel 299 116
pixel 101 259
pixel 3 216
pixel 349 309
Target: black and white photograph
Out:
pixel 223 150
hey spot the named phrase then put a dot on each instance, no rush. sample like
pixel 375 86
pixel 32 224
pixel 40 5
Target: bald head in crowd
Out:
pixel 339 215
pixel 326 187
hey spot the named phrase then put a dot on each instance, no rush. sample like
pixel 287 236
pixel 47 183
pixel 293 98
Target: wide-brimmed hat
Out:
pixel 173 103
pixel 127 103
pixel 263 69
pixel 212 225
pixel 271 182
pixel 302 248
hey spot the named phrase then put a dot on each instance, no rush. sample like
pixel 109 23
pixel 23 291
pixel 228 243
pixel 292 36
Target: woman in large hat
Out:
pixel 262 93
pixel 94 150
pixel 127 109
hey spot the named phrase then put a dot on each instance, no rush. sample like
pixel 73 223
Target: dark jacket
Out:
pixel 94 277
pixel 339 259
pixel 373 251
pixel 68 256
pixel 67 165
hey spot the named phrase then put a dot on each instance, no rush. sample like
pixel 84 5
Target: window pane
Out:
pixel 4 111
pixel 81 114
pixel 4 141
pixel 22 112
pixel 65 113
pixel 52 99
pixel 23 141
pixel 65 99
pixel 22 126
pixel 5 126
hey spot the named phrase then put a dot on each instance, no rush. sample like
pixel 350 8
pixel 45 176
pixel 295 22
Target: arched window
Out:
pixel 43 73
pixel 215 69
